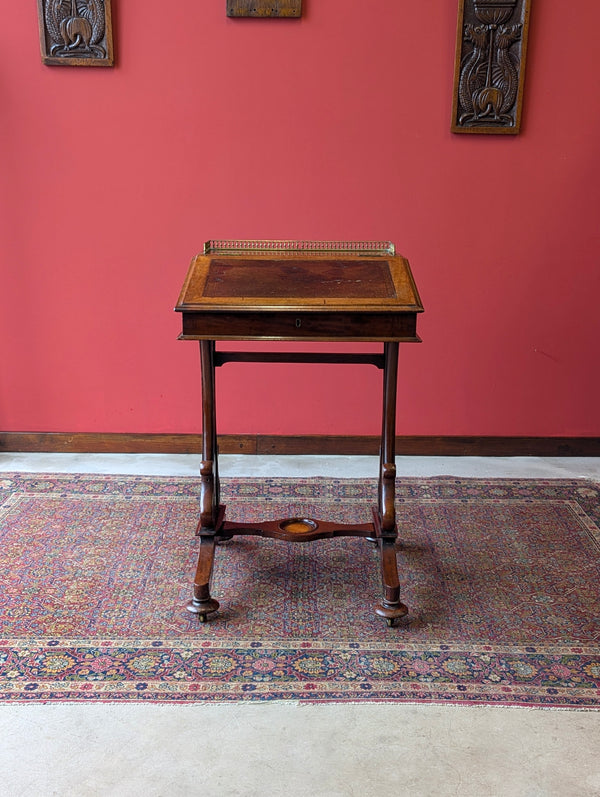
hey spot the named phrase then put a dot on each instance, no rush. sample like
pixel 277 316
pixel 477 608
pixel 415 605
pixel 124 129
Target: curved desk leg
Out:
pixel 211 518
pixel 202 604
pixel 209 470
pixel 391 607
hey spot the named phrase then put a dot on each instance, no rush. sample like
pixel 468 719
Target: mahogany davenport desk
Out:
pixel 298 291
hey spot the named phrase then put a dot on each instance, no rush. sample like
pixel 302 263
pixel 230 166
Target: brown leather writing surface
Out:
pixel 300 279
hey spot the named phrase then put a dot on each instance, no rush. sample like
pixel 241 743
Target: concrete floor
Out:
pixel 289 749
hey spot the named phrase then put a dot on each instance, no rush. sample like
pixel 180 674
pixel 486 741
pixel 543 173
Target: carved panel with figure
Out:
pixel 76 32
pixel 491 43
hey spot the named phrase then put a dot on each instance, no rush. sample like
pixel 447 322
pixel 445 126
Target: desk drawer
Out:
pixel 275 325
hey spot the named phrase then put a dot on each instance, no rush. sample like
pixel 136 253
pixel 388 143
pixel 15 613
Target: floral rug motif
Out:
pixel 502 579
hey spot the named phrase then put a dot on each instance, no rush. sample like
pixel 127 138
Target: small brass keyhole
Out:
pixel 298 323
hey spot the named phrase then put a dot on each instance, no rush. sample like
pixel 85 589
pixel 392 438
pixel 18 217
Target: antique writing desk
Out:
pixel 298 291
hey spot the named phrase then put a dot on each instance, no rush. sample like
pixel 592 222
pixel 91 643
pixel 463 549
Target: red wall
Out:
pixel 334 126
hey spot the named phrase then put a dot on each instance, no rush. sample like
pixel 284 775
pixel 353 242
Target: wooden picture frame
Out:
pixel 264 8
pixel 76 32
pixel 489 68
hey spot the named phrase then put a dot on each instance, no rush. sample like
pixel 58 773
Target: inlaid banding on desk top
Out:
pixel 306 279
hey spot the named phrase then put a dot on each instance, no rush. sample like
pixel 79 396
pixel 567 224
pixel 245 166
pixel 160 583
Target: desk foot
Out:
pixel 202 604
pixel 391 613
pixel 391 607
pixel 202 608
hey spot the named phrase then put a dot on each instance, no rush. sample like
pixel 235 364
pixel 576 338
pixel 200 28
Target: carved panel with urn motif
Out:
pixel 491 43
pixel 76 32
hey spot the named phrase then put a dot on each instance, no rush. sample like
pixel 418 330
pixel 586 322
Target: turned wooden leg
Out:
pixel 387 452
pixel 211 514
pixel 209 470
pixel 385 522
pixel 202 604
pixel 391 607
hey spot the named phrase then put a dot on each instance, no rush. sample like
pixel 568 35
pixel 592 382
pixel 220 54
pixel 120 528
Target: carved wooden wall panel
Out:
pixel 489 72
pixel 76 32
pixel 264 8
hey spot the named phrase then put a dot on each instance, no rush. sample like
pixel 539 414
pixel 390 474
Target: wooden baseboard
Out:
pixel 351 445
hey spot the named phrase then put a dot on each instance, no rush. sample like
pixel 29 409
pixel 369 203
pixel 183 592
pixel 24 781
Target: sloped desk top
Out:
pixel 306 297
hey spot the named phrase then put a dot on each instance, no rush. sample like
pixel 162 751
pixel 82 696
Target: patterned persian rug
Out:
pixel 502 578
